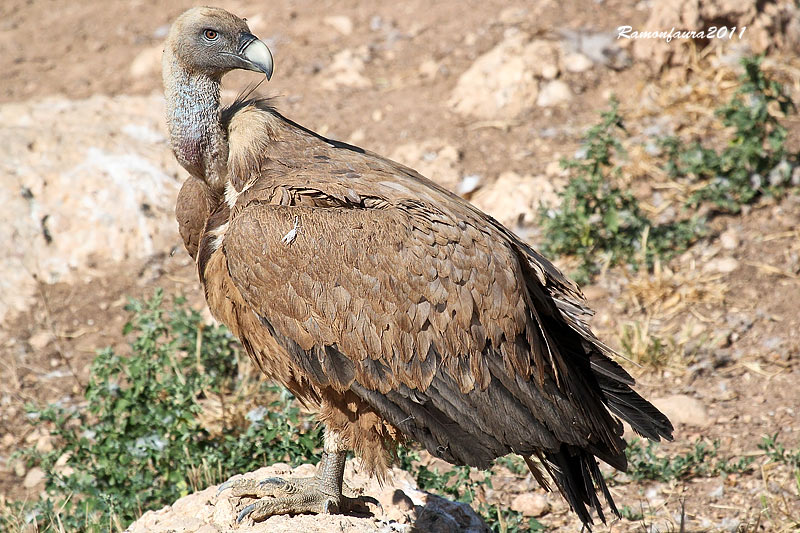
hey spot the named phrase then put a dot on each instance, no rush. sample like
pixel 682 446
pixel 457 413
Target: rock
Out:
pixel 429 68
pixel 18 466
pixel 80 197
pixel 469 184
pixel 34 477
pixel 549 72
pixel 768 27
pixel 514 199
pixel 554 93
pixel 502 83
pixel 396 504
pixel 147 62
pixel 346 70
pixel 341 23
pixel 403 509
pixel 40 340
pixel 554 169
pixel 577 62
pixel 531 504
pixel 683 409
pixel 44 444
pixel 602 48
pixel 729 239
pixel 723 265
pixel 433 159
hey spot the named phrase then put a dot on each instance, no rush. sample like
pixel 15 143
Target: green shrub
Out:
pixel 700 461
pixel 755 162
pixel 598 221
pixel 138 442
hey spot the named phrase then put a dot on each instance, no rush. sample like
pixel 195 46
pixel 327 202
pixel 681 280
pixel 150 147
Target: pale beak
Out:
pixel 256 54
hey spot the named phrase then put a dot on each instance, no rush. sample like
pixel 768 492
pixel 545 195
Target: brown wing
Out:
pixel 378 282
pixel 428 316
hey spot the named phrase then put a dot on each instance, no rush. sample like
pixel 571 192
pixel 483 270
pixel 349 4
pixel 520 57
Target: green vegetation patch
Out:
pixel 644 463
pixel 755 163
pixel 138 442
pixel 599 222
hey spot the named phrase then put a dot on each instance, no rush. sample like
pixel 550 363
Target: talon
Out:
pixel 225 486
pixel 330 507
pixel 276 481
pixel 245 513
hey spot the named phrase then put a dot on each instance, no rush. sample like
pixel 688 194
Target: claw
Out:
pixel 330 507
pixel 276 481
pixel 228 484
pixel 245 513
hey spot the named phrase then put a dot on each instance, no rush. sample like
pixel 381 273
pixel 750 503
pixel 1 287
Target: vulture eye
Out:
pixel 210 35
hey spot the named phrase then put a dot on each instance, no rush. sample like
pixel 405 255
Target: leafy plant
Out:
pixel 629 513
pixel 139 441
pixel 459 484
pixel 645 463
pixel 598 221
pixel 755 162
pixel 778 453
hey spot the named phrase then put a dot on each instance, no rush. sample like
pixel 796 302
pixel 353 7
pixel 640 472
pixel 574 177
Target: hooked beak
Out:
pixel 255 54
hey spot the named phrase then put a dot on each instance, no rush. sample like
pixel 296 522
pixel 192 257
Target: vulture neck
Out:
pixel 193 115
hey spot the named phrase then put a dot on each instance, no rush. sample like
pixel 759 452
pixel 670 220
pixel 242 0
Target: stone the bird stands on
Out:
pixel 390 305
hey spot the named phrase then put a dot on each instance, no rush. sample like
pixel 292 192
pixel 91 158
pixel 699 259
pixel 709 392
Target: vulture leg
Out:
pixel 321 493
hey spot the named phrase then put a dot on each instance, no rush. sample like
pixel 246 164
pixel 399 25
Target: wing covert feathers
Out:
pixel 402 311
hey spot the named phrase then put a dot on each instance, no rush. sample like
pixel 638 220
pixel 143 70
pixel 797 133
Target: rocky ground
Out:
pixel 396 507
pixel 483 97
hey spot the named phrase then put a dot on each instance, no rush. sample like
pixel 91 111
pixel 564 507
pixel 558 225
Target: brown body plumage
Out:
pixel 401 311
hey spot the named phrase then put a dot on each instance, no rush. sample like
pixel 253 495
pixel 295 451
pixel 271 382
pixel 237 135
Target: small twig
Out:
pixel 56 336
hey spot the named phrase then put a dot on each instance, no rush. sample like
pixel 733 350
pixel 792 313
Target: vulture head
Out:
pixel 211 41
pixel 203 45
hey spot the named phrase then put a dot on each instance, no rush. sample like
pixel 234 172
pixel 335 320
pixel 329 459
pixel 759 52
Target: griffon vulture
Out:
pixel 395 308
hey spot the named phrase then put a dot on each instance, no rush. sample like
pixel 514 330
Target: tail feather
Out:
pixel 578 478
pixel 615 382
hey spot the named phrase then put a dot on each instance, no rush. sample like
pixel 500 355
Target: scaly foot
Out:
pixel 319 494
pixel 292 496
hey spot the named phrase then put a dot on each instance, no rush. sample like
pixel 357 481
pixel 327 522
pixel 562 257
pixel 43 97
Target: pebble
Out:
pixel 554 93
pixel 723 265
pixel 340 23
pixel 40 340
pixel 44 444
pixel 549 72
pixel 34 476
pixel 683 409
pixel 577 62
pixel 531 504
pixel 18 467
pixel 468 184
pixel 729 239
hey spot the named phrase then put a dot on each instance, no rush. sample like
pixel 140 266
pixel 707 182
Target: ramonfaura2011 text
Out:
pixel 713 32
